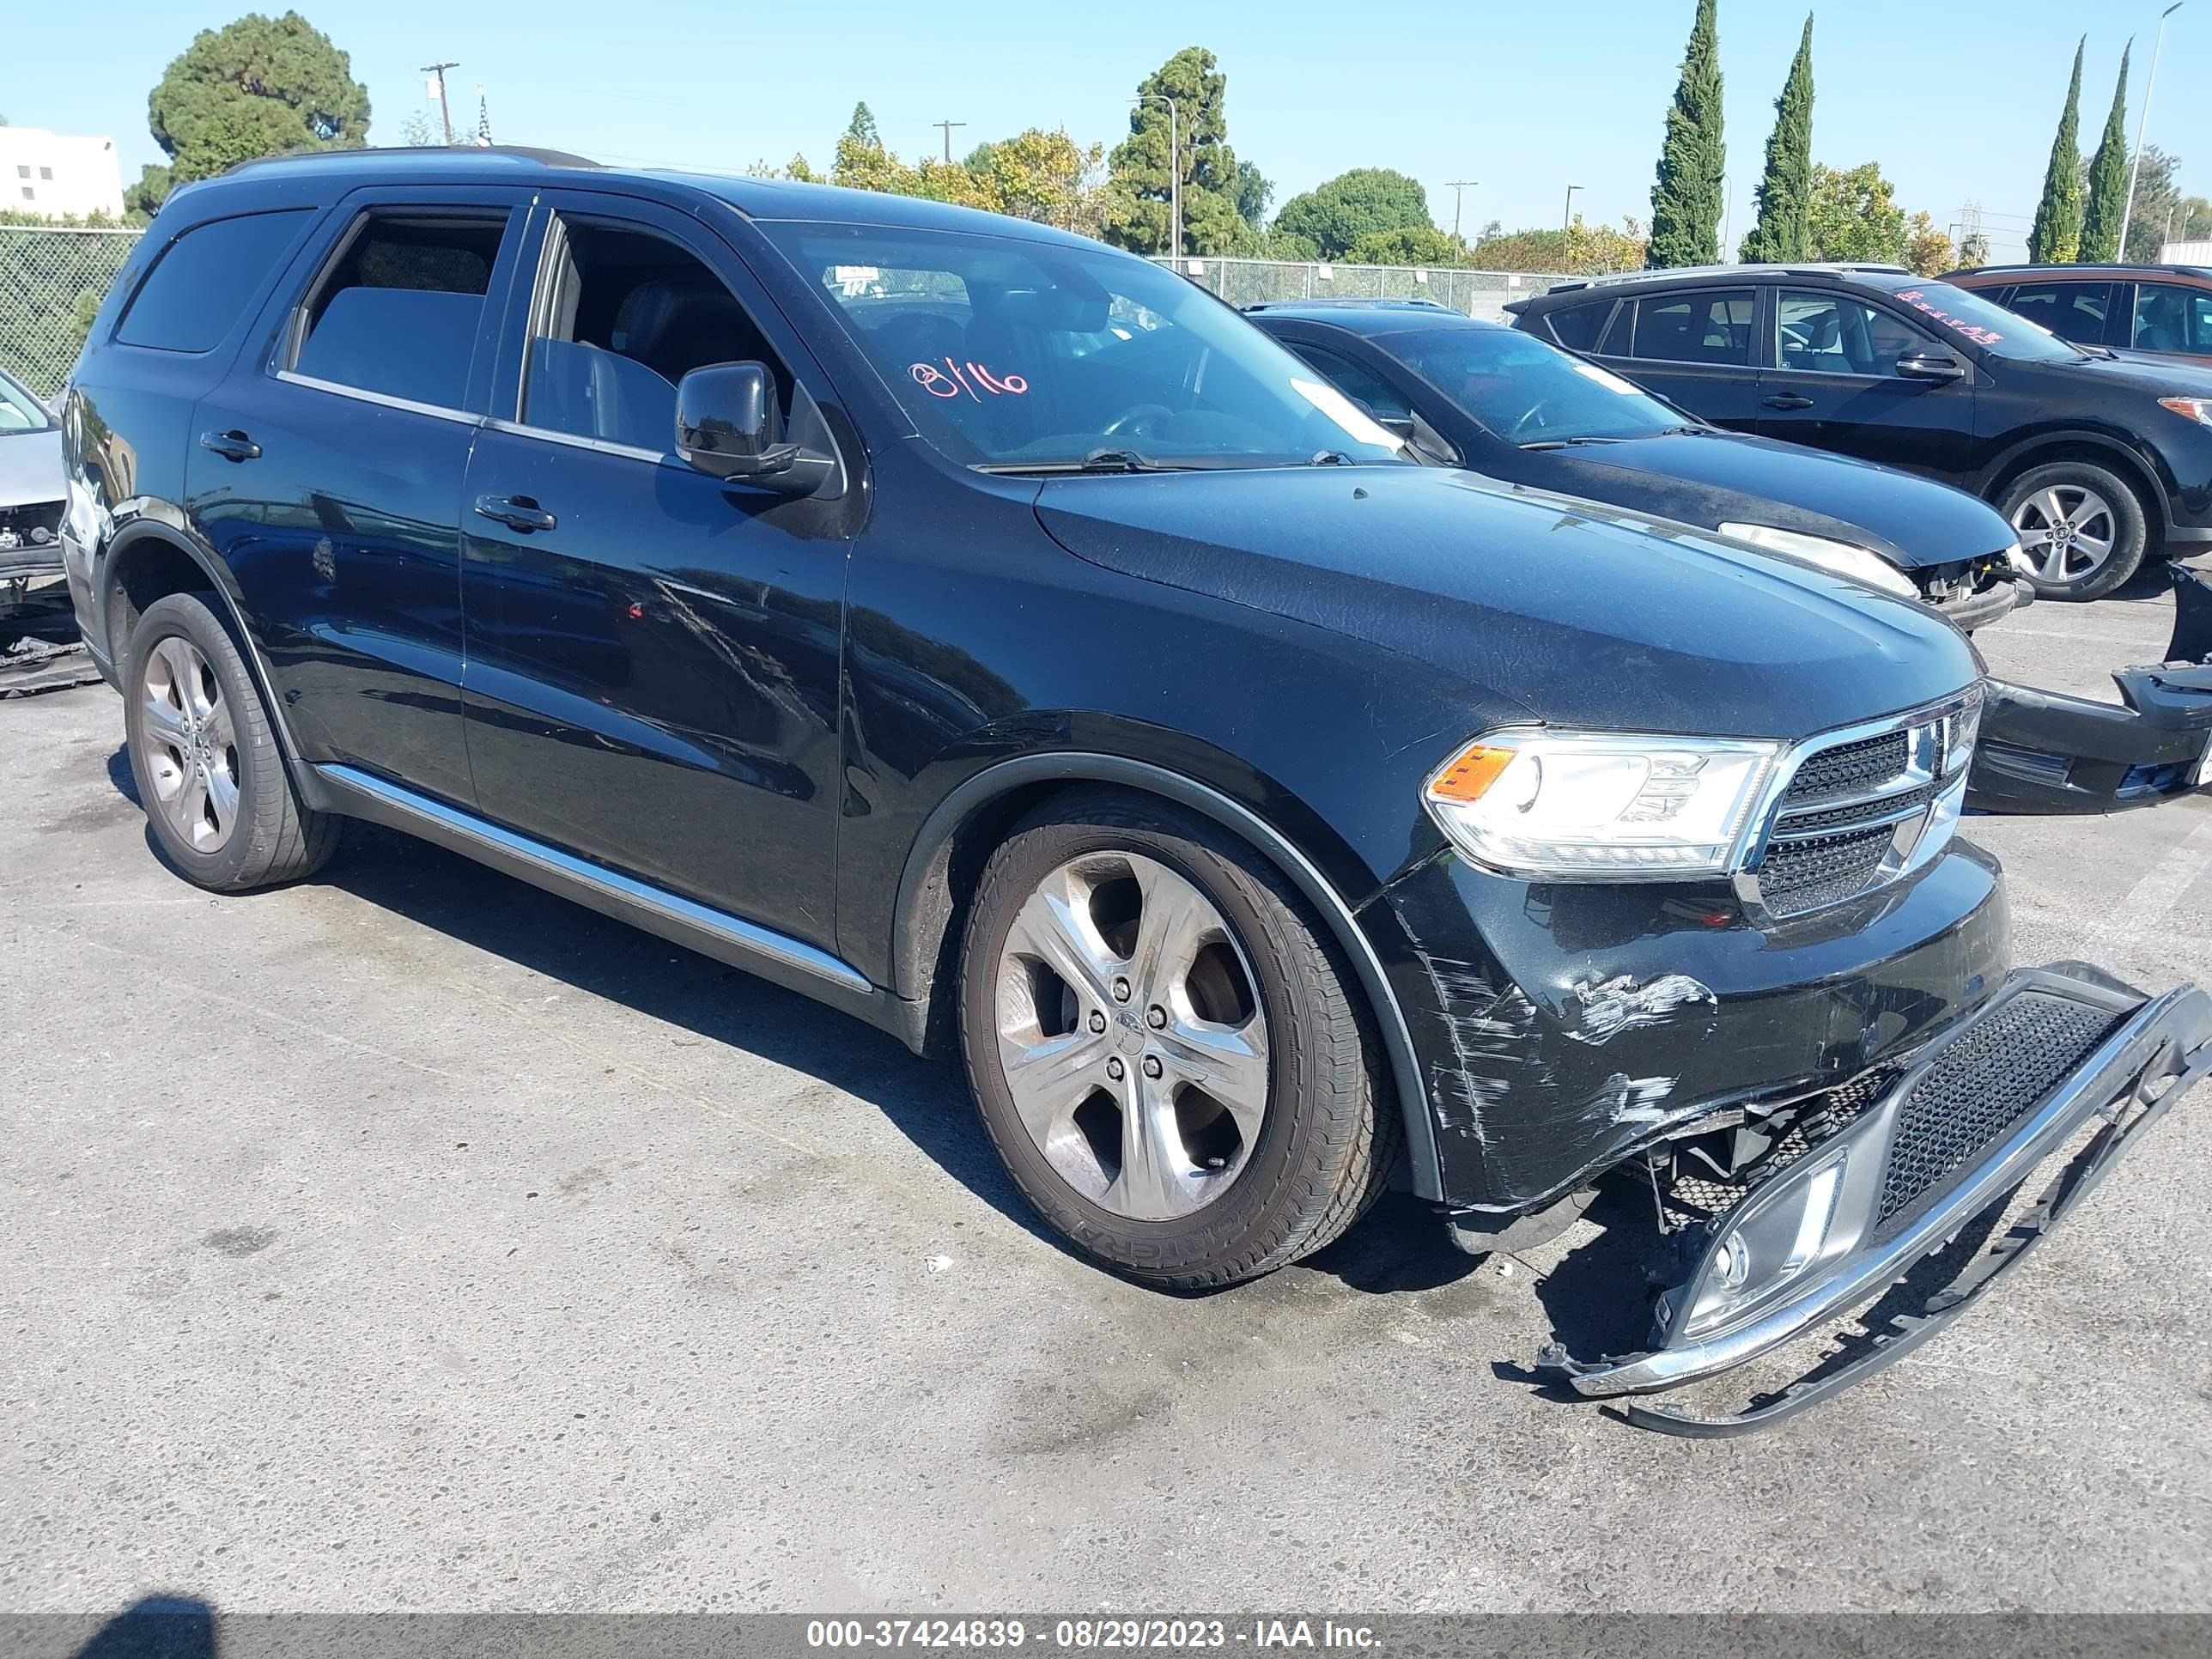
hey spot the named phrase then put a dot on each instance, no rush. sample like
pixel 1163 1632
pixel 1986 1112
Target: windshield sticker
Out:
pixel 1974 332
pixel 955 379
pixel 1346 414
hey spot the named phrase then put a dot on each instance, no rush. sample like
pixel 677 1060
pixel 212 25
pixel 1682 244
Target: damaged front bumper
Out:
pixel 2048 753
pixel 2054 1050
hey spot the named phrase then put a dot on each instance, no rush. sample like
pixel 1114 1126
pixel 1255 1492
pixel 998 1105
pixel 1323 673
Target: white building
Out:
pixel 56 173
pixel 2187 254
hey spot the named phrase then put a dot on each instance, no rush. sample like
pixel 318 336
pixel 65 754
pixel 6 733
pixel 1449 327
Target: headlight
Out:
pixel 1600 806
pixel 2198 410
pixel 1841 557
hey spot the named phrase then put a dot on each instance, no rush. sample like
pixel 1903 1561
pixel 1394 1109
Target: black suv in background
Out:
pixel 1510 406
pixel 994 636
pixel 2097 462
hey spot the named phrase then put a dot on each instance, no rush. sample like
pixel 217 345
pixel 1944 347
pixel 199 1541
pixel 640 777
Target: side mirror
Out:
pixel 729 425
pixel 1930 364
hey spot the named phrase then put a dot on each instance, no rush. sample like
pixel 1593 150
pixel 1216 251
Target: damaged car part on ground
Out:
pixel 993 637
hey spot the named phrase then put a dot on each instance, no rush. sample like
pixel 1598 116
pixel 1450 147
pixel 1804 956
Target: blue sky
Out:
pixel 1958 101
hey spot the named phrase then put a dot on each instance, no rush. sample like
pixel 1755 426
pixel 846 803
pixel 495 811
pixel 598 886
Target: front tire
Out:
pixel 2081 525
pixel 1164 1051
pixel 209 771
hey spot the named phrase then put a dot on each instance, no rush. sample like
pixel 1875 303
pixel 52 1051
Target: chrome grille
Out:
pixel 1862 809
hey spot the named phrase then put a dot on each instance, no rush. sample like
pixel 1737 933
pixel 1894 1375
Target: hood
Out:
pixel 2158 374
pixel 1712 478
pixel 31 468
pixel 1582 613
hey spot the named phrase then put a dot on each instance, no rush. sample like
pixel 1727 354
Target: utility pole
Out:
pixel 1567 219
pixel 2143 128
pixel 445 113
pixel 948 126
pixel 1175 172
pixel 1459 189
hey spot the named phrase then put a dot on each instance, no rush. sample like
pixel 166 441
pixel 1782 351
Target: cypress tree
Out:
pixel 1686 199
pixel 2108 179
pixel 1784 232
pixel 2057 238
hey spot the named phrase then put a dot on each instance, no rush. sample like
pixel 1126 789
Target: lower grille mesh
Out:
pixel 1979 1088
pixel 1803 875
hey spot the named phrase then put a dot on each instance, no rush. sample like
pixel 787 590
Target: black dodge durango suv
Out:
pixel 994 636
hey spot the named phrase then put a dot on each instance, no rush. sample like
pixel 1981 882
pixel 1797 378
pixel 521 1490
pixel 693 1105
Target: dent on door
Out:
pixel 2045 752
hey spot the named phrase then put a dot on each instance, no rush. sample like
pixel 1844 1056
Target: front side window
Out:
pixel 398 313
pixel 626 316
pixel 202 283
pixel 1831 334
pixel 1696 328
pixel 2072 311
pixel 19 411
pixel 2170 317
pixel 1528 393
pixel 1020 355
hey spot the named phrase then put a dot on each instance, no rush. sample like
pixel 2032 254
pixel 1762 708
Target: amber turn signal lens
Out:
pixel 1473 771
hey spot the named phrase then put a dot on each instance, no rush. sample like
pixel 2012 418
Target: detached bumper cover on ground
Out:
pixel 2056 1050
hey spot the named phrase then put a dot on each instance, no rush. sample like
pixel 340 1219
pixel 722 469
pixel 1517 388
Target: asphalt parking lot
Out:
pixel 410 1239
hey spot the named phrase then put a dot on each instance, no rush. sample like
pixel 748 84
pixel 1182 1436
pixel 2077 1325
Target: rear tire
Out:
pixel 1177 1073
pixel 209 771
pixel 2081 525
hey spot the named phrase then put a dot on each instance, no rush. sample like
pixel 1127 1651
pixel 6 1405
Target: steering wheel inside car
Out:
pixel 1138 420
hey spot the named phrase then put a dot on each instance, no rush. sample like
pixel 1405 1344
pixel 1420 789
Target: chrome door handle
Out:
pixel 232 446
pixel 516 511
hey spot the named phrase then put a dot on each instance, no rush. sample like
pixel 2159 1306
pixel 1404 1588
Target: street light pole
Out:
pixel 1567 218
pixel 1174 173
pixel 1459 189
pixel 2143 128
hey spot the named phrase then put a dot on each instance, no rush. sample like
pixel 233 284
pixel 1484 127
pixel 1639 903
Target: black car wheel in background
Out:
pixel 1874 362
pixel 1515 408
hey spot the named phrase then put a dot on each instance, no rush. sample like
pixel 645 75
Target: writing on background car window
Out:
pixel 939 383
pixel 1974 332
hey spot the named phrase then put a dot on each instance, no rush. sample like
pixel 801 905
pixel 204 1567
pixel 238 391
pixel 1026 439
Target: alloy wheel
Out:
pixel 1133 1039
pixel 189 745
pixel 2068 531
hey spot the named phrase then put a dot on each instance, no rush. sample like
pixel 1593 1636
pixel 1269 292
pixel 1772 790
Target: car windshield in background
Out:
pixel 1016 354
pixel 1969 316
pixel 19 411
pixel 1528 393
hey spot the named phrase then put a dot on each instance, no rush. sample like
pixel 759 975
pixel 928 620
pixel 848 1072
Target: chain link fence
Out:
pixel 1483 294
pixel 52 281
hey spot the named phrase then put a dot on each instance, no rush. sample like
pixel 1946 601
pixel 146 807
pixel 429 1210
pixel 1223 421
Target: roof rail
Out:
pixel 551 158
pixel 1797 268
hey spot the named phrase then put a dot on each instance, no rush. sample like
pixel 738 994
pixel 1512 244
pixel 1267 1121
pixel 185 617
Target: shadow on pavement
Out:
pixel 156 1627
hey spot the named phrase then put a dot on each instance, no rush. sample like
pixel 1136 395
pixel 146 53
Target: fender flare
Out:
pixel 145 526
pixel 2160 503
pixel 978 790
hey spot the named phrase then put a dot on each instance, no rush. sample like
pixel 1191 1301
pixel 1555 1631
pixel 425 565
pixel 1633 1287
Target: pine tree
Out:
pixel 2057 238
pixel 1784 232
pixel 862 127
pixel 1686 200
pixel 2108 179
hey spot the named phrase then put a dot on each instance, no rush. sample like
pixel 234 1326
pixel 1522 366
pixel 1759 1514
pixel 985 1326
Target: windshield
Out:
pixel 19 411
pixel 1994 329
pixel 1015 354
pixel 1525 392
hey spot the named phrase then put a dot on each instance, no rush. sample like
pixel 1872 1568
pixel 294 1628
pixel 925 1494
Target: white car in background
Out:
pixel 30 489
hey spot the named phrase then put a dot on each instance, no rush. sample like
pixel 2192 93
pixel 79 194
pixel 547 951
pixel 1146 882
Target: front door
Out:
pixel 327 474
pixel 1834 384
pixel 653 652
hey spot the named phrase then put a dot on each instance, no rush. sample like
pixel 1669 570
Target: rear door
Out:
pixel 2083 312
pixel 652 652
pixel 1695 348
pixel 327 470
pixel 2174 319
pixel 1833 383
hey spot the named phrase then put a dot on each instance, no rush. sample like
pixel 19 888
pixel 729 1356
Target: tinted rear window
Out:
pixel 1696 328
pixel 401 311
pixel 206 279
pixel 1575 326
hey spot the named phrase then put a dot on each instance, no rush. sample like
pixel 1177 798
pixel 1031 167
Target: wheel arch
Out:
pixel 957 837
pixel 2098 450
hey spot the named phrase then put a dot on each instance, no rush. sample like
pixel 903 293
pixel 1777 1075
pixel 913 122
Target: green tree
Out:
pixel 1253 192
pixel 2108 179
pixel 261 86
pixel 2160 204
pixel 1365 202
pixel 1408 245
pixel 1581 249
pixel 1140 167
pixel 1687 198
pixel 2056 238
pixel 1784 232
pixel 1855 217
pixel 862 126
